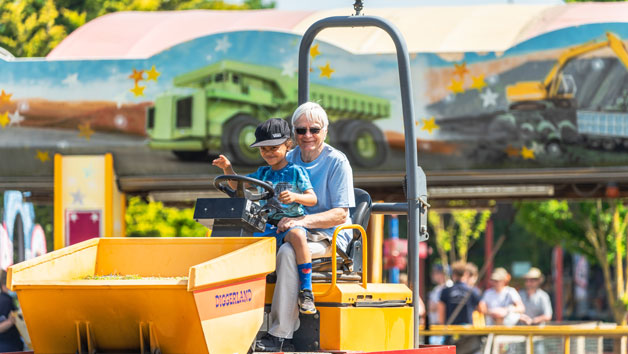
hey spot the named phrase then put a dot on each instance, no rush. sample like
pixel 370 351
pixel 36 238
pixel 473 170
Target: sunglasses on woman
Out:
pixel 303 131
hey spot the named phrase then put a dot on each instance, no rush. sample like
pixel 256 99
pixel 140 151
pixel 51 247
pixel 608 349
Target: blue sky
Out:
pixel 332 4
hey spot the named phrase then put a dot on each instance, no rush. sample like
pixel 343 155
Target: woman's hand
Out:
pixel 287 223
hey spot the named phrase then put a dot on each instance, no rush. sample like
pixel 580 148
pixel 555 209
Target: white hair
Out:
pixel 313 113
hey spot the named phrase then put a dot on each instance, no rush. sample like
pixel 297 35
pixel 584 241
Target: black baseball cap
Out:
pixel 272 132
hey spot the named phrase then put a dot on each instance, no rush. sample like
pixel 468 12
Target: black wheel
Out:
pixel 335 135
pixel 191 155
pixel 18 240
pixel 238 135
pixel 265 190
pixel 609 144
pixel 553 148
pixel 364 143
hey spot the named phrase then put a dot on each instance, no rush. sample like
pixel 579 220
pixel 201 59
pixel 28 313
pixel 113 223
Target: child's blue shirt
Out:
pixel 290 178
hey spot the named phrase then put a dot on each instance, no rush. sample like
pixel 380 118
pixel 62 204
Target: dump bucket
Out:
pixel 157 295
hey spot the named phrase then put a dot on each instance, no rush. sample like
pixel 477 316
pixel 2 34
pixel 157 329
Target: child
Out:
pixel 293 190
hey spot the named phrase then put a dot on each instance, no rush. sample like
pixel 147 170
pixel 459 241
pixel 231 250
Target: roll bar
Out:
pixel 416 183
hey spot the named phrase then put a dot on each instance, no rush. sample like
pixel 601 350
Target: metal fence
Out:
pixel 586 338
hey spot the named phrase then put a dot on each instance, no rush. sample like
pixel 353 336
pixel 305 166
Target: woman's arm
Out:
pixel 323 220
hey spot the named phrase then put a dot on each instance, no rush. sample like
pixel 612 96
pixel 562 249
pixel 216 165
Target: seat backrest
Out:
pixel 361 213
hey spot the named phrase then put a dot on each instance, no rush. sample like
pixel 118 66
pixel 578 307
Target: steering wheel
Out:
pixel 221 183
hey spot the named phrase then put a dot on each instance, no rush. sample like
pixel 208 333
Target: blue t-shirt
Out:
pixel 453 296
pixel 332 179
pixel 290 178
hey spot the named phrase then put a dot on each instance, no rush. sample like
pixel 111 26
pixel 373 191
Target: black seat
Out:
pixel 349 261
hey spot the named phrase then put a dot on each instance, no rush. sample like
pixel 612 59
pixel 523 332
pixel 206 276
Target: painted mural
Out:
pixel 557 100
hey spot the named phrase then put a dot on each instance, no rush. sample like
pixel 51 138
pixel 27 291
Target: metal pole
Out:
pixel 412 170
pixel 393 274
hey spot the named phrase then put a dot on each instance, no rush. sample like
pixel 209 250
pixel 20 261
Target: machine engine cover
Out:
pixel 230 216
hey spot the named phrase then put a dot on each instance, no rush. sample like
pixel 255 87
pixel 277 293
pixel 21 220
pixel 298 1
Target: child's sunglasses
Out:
pixel 303 131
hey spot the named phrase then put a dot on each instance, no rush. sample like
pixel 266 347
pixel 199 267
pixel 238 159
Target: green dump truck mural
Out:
pixel 228 99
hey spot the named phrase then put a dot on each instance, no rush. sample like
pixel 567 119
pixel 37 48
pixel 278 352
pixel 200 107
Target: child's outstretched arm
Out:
pixel 225 164
pixel 307 198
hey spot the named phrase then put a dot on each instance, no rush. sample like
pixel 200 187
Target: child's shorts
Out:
pixel 271 231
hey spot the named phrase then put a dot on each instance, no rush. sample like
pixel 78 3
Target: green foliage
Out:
pixel 553 222
pixel 457 232
pixel 154 220
pixel 34 27
pixel 595 228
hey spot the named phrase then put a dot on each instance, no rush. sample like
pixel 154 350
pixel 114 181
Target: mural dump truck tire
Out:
pixel 238 135
pixel 335 131
pixel 364 143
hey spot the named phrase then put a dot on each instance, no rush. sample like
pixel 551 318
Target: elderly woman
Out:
pixel 332 179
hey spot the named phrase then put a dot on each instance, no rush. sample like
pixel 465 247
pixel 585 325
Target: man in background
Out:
pixel 538 307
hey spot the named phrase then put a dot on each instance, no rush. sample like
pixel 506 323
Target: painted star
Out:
pixel 478 82
pixel 77 197
pixel 527 154
pixel 461 69
pixel 314 51
pixel 429 124
pixel 4 119
pixel 42 156
pixel 73 217
pixel 71 79
pixel 456 86
pixel 120 121
pixel 5 97
pixel 85 131
pixel 137 75
pixel 94 217
pixel 512 151
pixel 326 71
pixel 23 106
pixel 288 68
pixel 222 45
pixel 87 172
pixel 489 98
pixel 538 149
pixel 152 74
pixel 138 90
pixel 16 117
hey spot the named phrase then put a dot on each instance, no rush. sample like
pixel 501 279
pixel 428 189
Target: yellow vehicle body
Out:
pixel 354 318
pixel 176 295
pixel 526 91
pixel 361 316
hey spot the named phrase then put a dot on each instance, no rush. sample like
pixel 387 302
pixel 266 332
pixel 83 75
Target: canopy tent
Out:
pixel 434 29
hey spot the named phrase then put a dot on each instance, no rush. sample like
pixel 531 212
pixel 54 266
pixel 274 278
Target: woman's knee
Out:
pixel 286 251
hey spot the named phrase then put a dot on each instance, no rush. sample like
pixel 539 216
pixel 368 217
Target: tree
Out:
pixel 596 229
pixel 152 219
pixel 457 232
pixel 34 27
